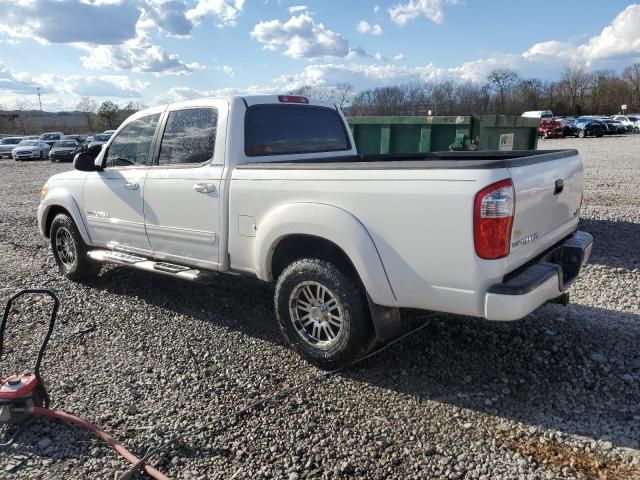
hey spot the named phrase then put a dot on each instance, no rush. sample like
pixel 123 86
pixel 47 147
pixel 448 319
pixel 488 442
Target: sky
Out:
pixel 159 51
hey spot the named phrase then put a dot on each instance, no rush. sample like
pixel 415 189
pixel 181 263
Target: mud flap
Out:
pixel 386 323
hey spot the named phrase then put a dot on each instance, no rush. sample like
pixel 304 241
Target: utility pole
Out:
pixel 39 100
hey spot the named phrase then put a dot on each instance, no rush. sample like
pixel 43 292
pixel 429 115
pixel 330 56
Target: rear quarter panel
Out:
pixel 420 220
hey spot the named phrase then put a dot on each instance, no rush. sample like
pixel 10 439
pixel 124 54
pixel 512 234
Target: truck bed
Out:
pixel 420 161
pixel 418 211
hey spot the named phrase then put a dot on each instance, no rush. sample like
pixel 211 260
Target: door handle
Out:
pixel 131 186
pixel 204 187
pixel 558 187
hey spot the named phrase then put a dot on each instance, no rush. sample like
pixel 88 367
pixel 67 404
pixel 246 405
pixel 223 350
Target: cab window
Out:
pixel 132 145
pixel 189 137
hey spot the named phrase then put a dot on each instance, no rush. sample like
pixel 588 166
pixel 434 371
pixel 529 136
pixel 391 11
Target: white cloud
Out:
pixel 50 21
pixel 169 17
pixel 302 37
pixel 226 12
pixel 620 38
pixel 119 86
pixel 376 9
pixel 364 27
pixel 403 13
pixel 227 70
pixel 138 56
pixel 180 94
pixel 619 41
pixel 297 8
pixel 16 82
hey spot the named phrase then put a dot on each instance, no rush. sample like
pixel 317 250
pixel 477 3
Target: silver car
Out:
pixel 7 145
pixel 28 149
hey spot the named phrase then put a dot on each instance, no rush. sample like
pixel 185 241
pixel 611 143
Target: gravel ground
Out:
pixel 556 395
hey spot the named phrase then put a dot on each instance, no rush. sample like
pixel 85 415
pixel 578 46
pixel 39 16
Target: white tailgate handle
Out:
pixel 204 187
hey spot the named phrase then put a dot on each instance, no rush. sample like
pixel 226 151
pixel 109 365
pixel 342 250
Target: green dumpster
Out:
pixel 431 134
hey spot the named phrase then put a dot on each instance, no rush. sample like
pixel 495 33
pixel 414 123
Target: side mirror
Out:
pixel 85 162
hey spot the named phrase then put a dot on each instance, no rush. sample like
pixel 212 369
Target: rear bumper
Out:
pixel 537 282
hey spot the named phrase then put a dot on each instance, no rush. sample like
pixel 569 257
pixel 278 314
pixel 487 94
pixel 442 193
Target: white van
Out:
pixel 538 114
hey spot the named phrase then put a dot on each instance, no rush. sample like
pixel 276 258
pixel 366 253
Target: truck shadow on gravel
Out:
pixel 574 369
pixel 616 243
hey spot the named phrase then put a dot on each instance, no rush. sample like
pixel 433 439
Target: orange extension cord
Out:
pixel 112 442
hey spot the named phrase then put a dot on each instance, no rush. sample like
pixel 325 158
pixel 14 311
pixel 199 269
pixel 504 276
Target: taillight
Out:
pixel 292 99
pixel 493 211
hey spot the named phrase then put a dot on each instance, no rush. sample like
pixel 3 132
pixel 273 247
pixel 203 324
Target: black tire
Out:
pixel 353 337
pixel 82 266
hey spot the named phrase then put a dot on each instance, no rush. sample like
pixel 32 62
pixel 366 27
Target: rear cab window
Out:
pixel 189 137
pixel 273 129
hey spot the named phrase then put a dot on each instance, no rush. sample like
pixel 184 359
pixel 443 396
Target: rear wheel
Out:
pixel 323 313
pixel 582 133
pixel 69 250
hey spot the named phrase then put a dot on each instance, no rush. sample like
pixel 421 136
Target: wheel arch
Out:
pixel 57 202
pixel 307 229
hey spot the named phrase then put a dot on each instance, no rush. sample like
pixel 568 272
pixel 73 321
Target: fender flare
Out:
pixel 61 198
pixel 333 224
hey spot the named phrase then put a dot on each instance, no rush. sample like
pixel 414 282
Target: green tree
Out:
pixel 108 112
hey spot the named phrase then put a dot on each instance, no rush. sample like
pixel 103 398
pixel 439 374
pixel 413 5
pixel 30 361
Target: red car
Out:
pixel 551 129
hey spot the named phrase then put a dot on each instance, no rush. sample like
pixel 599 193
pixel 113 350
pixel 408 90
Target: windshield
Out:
pixel 101 138
pixel 49 136
pixel 66 143
pixel 10 141
pixel 29 143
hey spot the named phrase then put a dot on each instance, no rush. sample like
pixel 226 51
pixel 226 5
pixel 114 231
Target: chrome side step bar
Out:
pixel 143 263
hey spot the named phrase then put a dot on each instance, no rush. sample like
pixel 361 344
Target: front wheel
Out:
pixel 582 133
pixel 323 313
pixel 70 251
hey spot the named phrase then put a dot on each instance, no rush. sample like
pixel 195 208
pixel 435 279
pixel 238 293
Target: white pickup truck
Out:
pixel 272 186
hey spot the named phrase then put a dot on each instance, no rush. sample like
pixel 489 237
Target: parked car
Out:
pixel 51 137
pixel 538 114
pixel 631 123
pixel 614 127
pixel 77 138
pixel 569 128
pixel 7 144
pixel 64 151
pixel 551 128
pixel 99 139
pixel 28 149
pixel 588 127
pixel 273 187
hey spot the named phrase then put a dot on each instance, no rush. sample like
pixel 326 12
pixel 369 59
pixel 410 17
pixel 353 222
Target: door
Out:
pixel 113 198
pixel 182 190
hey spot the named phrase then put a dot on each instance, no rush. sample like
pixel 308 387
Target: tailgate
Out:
pixel 548 194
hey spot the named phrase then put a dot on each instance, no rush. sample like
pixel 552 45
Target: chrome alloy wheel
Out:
pixel 65 247
pixel 316 314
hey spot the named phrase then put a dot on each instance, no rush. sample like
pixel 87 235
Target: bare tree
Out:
pixel 631 74
pixel 20 105
pixel 502 79
pixel 575 79
pixel 88 106
pixel 343 94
